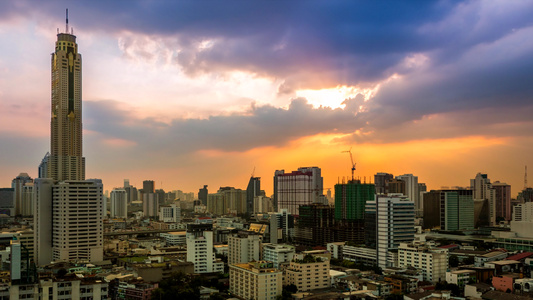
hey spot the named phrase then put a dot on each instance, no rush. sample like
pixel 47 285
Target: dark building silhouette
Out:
pixel 202 195
pixel 253 190
pixel 381 180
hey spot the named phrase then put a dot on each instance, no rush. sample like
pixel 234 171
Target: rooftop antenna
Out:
pixel 66 31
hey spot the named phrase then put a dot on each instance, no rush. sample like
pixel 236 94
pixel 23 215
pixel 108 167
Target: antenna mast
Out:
pixel 66 27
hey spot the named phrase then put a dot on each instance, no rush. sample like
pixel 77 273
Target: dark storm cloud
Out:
pixel 478 58
pixel 259 126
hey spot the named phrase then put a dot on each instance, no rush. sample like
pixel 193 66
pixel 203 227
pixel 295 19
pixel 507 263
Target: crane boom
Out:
pixel 351 159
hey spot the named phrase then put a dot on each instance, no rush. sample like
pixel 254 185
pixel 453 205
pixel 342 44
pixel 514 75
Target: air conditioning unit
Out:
pixel 528 285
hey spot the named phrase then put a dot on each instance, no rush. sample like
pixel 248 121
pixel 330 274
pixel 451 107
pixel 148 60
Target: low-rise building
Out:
pixel 255 280
pixel 461 277
pixel 278 253
pixel 433 262
pixel 175 238
pixel 155 272
pixel 308 273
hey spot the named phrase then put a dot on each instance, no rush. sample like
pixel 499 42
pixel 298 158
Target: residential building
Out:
pixel 170 213
pixel 119 203
pixel 308 273
pixel 18 184
pixel 278 254
pixel 7 207
pixel 301 187
pixel 381 182
pixel 411 191
pixel 175 238
pixel 244 247
pixel 151 205
pixel 502 201
pixel 200 249
pixel 202 195
pixel 255 280
pixel 461 277
pixel 433 262
pixel 389 221
pixel 263 204
pixel 77 220
pixel 281 227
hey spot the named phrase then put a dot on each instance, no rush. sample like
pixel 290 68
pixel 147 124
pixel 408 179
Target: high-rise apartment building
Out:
pixel 78 221
pixel 297 188
pixel 281 227
pixel 66 161
pixel 381 181
pixel 411 191
pixel 389 221
pixel 200 249
pixel 244 247
pixel 18 184
pixel 433 262
pixel 148 186
pixel 502 200
pixel 119 203
pixel 170 213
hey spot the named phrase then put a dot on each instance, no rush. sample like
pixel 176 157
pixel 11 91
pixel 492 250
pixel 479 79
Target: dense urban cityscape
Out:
pixel 388 236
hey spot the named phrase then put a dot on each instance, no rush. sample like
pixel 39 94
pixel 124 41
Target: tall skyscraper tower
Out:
pixel 68 210
pixel 66 161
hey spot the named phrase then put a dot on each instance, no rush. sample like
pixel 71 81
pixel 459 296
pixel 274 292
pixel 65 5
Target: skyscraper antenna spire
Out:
pixel 66 28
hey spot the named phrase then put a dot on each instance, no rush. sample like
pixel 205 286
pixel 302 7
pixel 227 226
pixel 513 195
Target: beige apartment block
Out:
pixel 255 280
pixel 308 273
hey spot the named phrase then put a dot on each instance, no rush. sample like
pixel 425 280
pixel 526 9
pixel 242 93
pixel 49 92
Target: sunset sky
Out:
pixel 188 93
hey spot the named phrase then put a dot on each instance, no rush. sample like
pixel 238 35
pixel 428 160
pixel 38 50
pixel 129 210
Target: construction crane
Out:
pixel 353 164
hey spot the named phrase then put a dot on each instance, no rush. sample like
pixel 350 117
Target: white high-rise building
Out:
pixel 170 213
pixel 278 253
pixel 301 187
pixel 244 247
pixel 390 220
pixel 482 190
pixel 200 252
pixel 77 220
pixel 119 203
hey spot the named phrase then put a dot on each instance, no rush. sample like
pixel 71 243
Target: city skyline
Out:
pixel 438 90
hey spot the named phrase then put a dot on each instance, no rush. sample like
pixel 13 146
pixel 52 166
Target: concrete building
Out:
pixel 389 221
pixel 170 213
pixel 119 203
pixel 297 188
pixel 151 205
pixel 449 210
pixel 18 184
pixel 278 254
pixel 461 277
pixel 200 249
pixel 502 201
pixel 281 227
pixel 255 280
pixel 381 182
pixel 308 273
pixel 77 220
pixel 202 195
pixel 433 262
pixel 244 247
pixel 175 238
pixel 263 204
pixel 411 191
pixel 7 206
